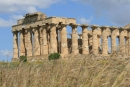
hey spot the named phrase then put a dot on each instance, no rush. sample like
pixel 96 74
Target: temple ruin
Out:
pixel 36 36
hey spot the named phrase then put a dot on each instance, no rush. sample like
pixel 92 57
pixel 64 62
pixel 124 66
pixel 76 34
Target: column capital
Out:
pixel 44 25
pixel 113 27
pixel 61 25
pixel 104 27
pixel 94 26
pixel 40 28
pixel 14 31
pixel 47 26
pixel 64 25
pixel 52 24
pixel 84 25
pixel 34 29
pixel 74 25
pixel 123 28
pixel 26 31
pixel 21 31
pixel 128 29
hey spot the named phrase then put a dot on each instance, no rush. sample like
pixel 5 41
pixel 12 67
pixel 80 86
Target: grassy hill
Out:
pixel 84 72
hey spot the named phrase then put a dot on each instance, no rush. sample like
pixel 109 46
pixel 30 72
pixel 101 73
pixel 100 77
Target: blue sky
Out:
pixel 99 12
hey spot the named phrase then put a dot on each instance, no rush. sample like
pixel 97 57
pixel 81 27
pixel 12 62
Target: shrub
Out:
pixel 23 59
pixel 54 56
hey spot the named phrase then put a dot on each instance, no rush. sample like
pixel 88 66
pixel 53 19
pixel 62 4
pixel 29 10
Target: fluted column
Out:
pixel 36 41
pixel 22 43
pixel 15 44
pixel 40 39
pixel 53 39
pixel 127 45
pixel 60 36
pixel 48 39
pixel 63 39
pixel 29 42
pixel 74 39
pixel 99 44
pixel 85 48
pixel 94 39
pixel 104 40
pixel 129 42
pixel 58 39
pixel 26 41
pixel 113 39
pixel 121 39
pixel 44 44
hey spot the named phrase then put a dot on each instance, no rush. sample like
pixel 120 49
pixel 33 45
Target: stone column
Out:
pixel 94 39
pixel 26 40
pixel 29 42
pixel 104 40
pixel 127 45
pixel 85 48
pixel 121 39
pixel 90 42
pixel 99 44
pixel 15 44
pixel 40 39
pixel 36 41
pixel 22 43
pixel 63 39
pixel 53 39
pixel 44 44
pixel 113 39
pixel 129 42
pixel 75 49
pixel 58 39
pixel 60 35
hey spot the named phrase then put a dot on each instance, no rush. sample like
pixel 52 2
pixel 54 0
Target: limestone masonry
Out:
pixel 36 36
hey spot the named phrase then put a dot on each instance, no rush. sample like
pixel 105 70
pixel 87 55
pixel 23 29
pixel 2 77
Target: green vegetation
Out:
pixel 54 56
pixel 23 59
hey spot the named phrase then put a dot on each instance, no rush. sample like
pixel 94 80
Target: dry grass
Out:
pixel 62 73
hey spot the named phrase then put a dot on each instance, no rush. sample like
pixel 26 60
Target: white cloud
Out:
pixel 7 6
pixel 11 21
pixel 16 17
pixel 115 10
pixel 85 21
pixel 6 23
pixel 6 53
pixel 19 6
pixel 31 9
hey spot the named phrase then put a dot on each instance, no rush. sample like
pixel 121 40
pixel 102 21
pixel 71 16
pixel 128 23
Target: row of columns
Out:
pixel 45 40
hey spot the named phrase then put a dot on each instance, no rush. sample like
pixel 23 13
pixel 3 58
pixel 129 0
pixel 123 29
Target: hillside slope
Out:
pixel 63 73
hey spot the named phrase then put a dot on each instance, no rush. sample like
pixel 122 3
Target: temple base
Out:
pixel 33 58
pixel 15 59
pixel 74 56
pixel 38 58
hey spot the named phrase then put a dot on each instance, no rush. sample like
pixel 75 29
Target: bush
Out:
pixel 23 59
pixel 54 56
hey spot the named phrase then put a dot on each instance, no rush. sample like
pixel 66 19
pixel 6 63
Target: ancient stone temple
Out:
pixel 36 36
